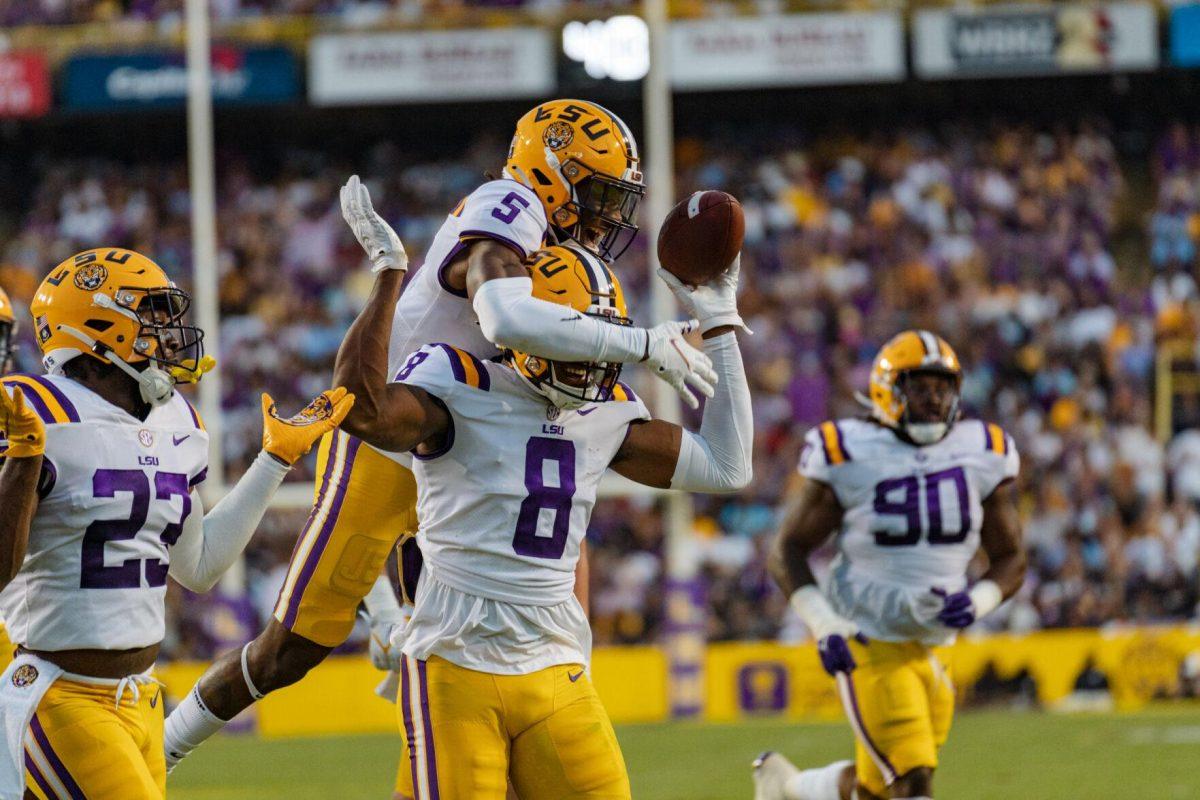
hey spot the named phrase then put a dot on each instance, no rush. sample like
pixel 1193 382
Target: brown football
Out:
pixel 701 236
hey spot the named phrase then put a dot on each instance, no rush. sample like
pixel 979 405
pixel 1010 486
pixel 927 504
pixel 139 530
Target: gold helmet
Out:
pixel 8 332
pixel 119 307
pixel 576 278
pixel 582 162
pixel 912 351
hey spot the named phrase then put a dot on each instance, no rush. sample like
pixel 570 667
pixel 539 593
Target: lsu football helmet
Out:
pixel 576 278
pixel 582 162
pixel 119 307
pixel 912 351
pixel 8 332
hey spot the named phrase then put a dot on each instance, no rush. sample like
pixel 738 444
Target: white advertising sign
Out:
pixel 429 66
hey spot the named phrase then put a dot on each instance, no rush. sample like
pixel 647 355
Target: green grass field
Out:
pixel 990 756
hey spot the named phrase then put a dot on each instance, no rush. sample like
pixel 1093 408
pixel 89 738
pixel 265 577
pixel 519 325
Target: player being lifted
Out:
pixel 509 455
pixel 913 492
pixel 572 175
pixel 99 491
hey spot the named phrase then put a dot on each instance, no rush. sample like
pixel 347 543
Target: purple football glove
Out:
pixel 835 653
pixel 958 609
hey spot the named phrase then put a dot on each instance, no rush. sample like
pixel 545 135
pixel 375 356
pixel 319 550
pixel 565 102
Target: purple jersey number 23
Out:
pixel 512 205
pixel 538 451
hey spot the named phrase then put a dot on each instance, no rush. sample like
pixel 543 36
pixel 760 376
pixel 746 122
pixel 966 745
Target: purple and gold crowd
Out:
pixel 1035 252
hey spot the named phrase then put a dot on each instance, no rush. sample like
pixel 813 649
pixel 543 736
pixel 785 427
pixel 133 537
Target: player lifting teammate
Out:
pixel 572 175
pixel 912 492
pixel 509 455
pixel 100 505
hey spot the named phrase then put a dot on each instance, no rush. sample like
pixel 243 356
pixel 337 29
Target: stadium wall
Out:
pixel 757 679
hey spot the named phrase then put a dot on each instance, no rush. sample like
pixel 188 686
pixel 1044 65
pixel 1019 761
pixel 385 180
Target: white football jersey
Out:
pixel 430 310
pixel 912 518
pixel 503 509
pixel 114 495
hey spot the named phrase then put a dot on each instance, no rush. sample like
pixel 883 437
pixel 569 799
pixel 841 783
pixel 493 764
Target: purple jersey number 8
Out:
pixel 510 202
pixel 539 450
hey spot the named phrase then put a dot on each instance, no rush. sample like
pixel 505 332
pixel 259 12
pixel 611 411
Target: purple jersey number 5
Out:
pixel 526 541
pixel 510 207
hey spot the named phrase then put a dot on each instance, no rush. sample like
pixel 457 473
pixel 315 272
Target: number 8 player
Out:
pixel 912 493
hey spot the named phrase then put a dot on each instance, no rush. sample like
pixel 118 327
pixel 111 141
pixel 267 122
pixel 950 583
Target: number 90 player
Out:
pixel 913 493
pixel 572 175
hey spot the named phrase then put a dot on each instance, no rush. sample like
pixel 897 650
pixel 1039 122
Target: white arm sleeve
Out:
pixel 719 457
pixel 211 542
pixel 510 316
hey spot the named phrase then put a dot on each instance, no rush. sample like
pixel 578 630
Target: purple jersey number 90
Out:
pixel 512 205
pixel 561 452
pixel 901 497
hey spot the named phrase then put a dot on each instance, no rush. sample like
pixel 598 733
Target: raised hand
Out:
pixel 715 303
pixel 21 426
pixel 288 440
pixel 377 238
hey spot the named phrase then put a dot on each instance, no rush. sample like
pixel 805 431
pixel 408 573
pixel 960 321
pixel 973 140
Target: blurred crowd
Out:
pixel 1026 249
pixel 59 12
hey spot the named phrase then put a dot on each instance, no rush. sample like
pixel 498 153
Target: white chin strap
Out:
pixel 154 384
pixel 925 432
pixel 561 399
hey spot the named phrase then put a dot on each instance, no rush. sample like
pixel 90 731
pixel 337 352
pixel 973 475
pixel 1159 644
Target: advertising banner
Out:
pixel 1185 35
pixel 1035 40
pixel 791 50
pixel 430 66
pixel 158 79
pixel 24 85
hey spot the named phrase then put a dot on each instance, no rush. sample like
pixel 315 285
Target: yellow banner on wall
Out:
pixel 746 679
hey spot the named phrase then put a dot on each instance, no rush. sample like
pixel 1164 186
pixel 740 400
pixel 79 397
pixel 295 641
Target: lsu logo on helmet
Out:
pixel 577 279
pixel 582 162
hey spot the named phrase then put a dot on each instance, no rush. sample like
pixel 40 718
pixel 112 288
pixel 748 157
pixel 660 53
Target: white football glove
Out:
pixel 387 639
pixel 382 244
pixel 671 358
pixel 715 303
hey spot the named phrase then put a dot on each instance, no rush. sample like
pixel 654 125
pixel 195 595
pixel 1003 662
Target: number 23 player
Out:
pixel 913 493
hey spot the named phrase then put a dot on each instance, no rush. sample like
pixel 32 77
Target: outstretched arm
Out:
pixel 389 416
pixel 498 282
pixel 210 543
pixel 719 457
pixel 20 471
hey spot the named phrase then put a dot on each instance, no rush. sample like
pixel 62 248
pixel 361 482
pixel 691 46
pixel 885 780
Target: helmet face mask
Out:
pixel 602 214
pixel 914 387
pixel 163 336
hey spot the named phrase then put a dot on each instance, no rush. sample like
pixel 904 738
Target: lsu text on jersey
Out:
pixel 912 521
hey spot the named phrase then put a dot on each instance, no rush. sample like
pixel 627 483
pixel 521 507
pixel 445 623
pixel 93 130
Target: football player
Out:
pixel 912 493
pixel 99 491
pixel 573 175
pixel 509 455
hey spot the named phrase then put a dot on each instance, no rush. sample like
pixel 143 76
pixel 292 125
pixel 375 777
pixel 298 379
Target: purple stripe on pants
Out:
pixel 409 729
pixel 430 753
pixel 312 515
pixel 39 778
pixel 56 764
pixel 889 772
pixel 314 555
